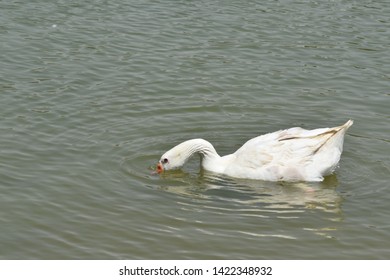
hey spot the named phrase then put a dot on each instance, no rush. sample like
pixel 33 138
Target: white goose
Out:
pixel 294 154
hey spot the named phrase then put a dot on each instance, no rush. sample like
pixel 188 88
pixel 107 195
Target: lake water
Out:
pixel 94 92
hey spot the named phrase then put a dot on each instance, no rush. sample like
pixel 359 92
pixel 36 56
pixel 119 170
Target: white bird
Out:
pixel 294 154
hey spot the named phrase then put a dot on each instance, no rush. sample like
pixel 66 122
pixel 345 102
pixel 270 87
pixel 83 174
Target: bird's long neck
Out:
pixel 200 146
pixel 210 159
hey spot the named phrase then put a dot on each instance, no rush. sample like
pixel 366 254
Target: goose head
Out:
pixel 179 155
pixel 173 159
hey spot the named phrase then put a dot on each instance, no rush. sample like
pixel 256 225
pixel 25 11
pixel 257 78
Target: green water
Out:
pixel 94 92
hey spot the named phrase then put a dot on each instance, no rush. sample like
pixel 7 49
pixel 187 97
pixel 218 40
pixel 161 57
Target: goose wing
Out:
pixel 293 149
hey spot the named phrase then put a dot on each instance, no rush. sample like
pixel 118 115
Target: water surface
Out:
pixel 93 92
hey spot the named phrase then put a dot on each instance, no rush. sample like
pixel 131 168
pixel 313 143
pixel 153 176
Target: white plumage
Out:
pixel 294 154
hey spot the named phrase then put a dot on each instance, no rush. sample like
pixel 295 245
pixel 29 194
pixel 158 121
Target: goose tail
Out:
pixel 328 154
pixel 336 138
pixel 347 125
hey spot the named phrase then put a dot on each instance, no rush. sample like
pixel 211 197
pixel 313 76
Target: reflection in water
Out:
pixel 259 200
pixel 273 195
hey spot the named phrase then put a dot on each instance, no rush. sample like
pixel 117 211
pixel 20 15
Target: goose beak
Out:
pixel 160 168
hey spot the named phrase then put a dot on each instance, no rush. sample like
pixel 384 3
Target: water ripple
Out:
pixel 93 93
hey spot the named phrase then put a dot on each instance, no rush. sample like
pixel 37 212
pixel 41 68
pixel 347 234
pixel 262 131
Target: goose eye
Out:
pixel 165 160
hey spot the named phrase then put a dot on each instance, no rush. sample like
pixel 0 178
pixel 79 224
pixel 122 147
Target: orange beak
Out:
pixel 160 168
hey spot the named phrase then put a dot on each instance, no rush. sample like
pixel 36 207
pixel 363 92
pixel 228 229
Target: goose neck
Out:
pixel 201 146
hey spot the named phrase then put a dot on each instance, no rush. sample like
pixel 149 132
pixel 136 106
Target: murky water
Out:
pixel 93 92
